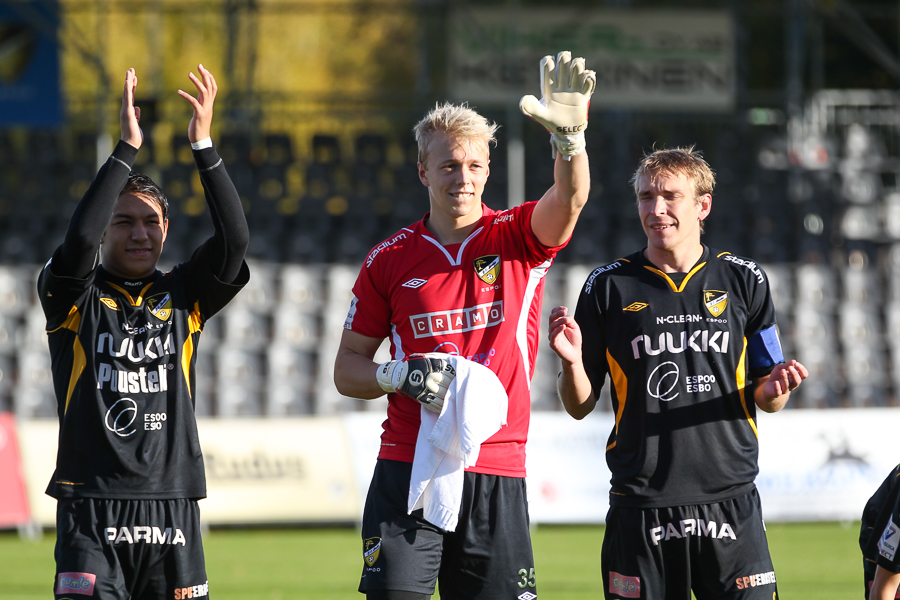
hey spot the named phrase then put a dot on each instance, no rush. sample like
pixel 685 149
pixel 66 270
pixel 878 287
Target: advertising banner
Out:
pixel 277 470
pixel 13 500
pixel 818 465
pixel 644 59
pixel 814 465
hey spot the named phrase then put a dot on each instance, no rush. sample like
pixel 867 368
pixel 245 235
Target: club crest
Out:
pixel 160 306
pixel 488 268
pixel 371 550
pixel 715 301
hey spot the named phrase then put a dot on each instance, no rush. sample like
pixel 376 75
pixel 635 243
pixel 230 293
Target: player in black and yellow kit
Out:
pixel 687 336
pixel 123 341
pixel 879 540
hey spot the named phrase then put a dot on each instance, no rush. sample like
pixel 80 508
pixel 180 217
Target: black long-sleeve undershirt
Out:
pixel 78 252
pixel 224 250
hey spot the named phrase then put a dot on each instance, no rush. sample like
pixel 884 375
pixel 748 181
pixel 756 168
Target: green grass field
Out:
pixel 813 561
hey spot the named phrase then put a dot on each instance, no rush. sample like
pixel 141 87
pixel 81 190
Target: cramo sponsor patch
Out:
pixel 754 268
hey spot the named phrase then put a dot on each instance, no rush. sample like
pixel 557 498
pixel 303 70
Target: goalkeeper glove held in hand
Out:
pixel 422 377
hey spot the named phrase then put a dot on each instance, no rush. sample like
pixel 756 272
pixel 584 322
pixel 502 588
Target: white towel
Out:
pixel 475 409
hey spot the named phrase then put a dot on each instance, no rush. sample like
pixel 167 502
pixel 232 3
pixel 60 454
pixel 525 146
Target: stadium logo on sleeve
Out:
pixel 636 306
pixel 715 301
pixel 371 550
pixel 160 306
pixel 487 268
pixel 110 303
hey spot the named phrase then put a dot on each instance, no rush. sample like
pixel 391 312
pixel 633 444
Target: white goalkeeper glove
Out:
pixel 566 89
pixel 422 377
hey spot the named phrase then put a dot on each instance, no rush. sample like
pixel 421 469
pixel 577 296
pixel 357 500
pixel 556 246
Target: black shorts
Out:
pixel 717 550
pixel 129 549
pixel 488 556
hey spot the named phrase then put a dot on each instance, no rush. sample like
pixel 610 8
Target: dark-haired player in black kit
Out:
pixel 879 540
pixel 123 341
pixel 687 336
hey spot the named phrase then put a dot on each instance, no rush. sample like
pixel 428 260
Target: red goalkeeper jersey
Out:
pixel 480 299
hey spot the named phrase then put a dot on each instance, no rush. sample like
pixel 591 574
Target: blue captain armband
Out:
pixel 764 349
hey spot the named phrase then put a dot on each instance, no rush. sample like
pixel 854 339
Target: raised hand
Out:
pixel 130 115
pixel 566 88
pixel 200 124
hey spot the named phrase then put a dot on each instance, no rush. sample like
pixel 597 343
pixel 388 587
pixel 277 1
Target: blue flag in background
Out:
pixel 29 64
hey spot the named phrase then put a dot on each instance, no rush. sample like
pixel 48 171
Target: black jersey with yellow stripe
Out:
pixel 880 527
pixel 675 348
pixel 123 355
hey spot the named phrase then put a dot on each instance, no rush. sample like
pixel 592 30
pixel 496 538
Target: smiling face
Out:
pixel 671 213
pixel 455 172
pixel 133 240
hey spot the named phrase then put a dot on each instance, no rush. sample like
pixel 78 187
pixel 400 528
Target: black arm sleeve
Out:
pixel 79 249
pixel 226 248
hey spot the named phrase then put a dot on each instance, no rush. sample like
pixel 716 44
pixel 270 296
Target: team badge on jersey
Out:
pixel 715 301
pixel 488 268
pixel 160 306
pixel 110 303
pixel 371 550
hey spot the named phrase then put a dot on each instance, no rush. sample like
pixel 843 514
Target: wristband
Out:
pixel 201 144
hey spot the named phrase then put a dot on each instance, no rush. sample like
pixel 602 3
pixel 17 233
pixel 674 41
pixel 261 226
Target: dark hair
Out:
pixel 141 185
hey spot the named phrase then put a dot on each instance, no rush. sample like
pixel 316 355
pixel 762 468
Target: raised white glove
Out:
pixel 422 377
pixel 566 89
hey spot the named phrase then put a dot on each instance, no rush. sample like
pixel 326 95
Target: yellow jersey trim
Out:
pixel 676 288
pixel 742 386
pixel 620 381
pixel 134 301
pixel 187 350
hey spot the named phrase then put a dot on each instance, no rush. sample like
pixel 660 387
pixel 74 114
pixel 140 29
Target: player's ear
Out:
pixel 165 229
pixel 423 177
pixel 705 202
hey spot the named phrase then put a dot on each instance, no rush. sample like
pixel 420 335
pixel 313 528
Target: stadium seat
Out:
pixel 245 328
pixel 16 285
pixel 7 379
pixel 295 329
pixel 865 370
pixel 279 150
pixel 371 149
pixel 326 150
pixel 860 324
pixel 291 381
pixel 301 287
pixel 205 377
pixel 260 293
pixel 813 326
pixel 240 381
pixel 816 285
pixel 781 284
pixel 825 384
pixel 34 397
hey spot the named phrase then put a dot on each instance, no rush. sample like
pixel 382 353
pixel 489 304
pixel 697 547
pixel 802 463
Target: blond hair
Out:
pixel 677 161
pixel 456 121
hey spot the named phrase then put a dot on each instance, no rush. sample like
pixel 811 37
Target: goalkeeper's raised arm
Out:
pixel 566 88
